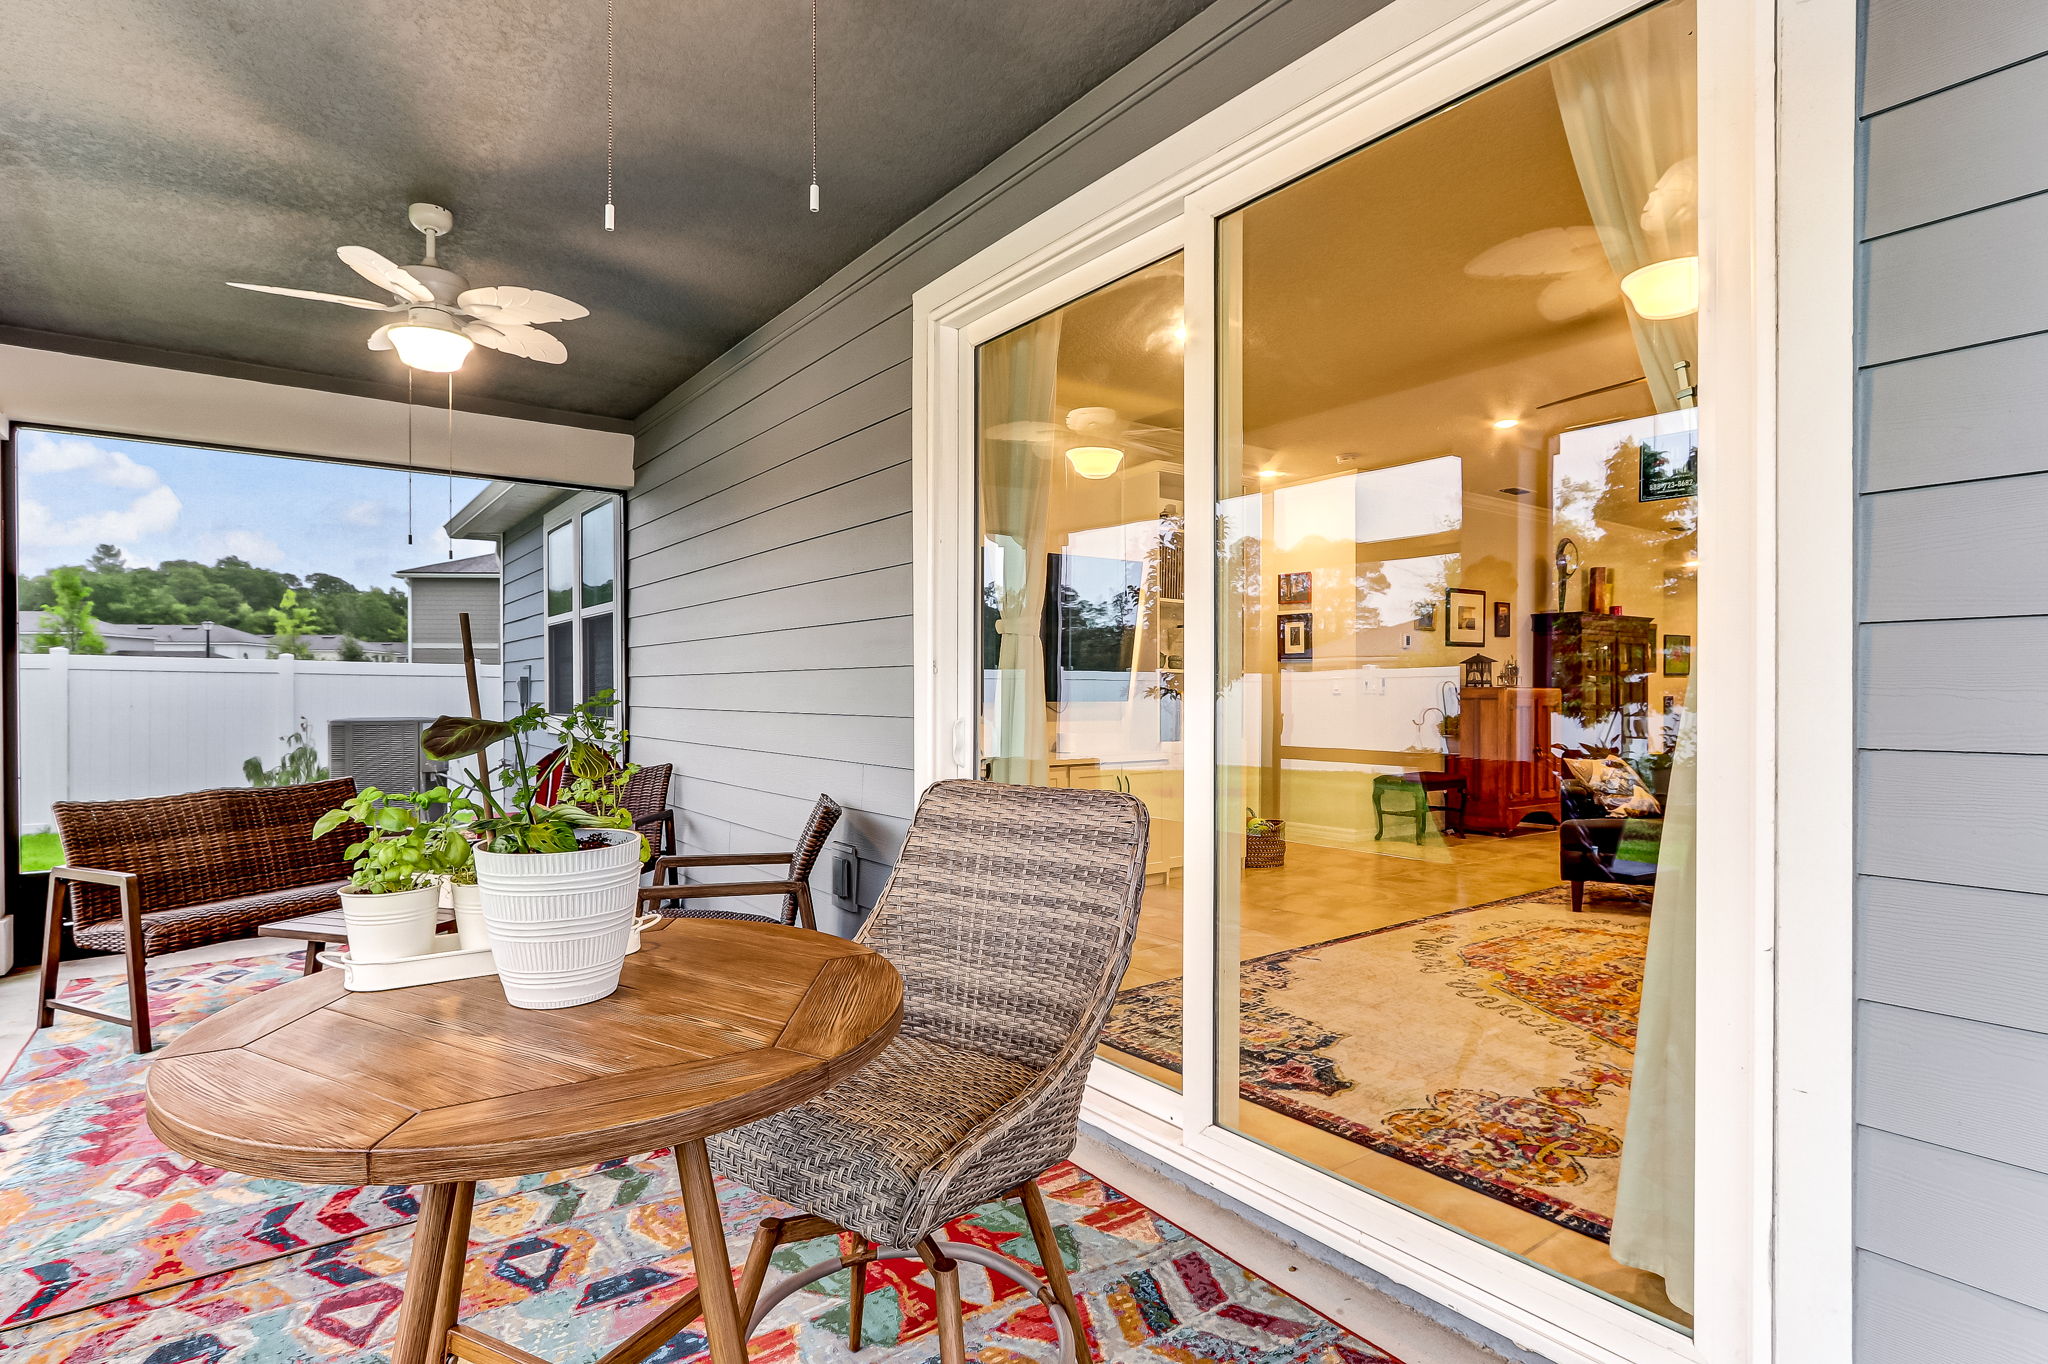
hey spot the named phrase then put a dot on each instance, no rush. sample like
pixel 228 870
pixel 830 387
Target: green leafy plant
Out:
pixel 299 765
pixel 511 816
pixel 68 622
pixel 403 847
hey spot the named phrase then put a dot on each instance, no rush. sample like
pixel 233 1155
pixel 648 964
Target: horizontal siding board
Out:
pixel 1961 1216
pixel 884 790
pixel 1956 283
pixel 880 592
pixel 1956 685
pixel 1912 1065
pixel 1945 418
pixel 857 549
pixel 1915 175
pixel 1914 47
pixel 847 644
pixel 1908 1316
pixel 1955 950
pixel 882 740
pixel 1976 549
pixel 857 691
pixel 860 502
pixel 1970 819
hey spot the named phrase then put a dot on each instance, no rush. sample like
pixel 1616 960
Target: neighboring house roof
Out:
pixel 475 566
pixel 30 623
pixel 333 642
pixel 500 506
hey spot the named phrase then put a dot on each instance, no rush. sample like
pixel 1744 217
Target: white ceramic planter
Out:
pixel 560 923
pixel 390 927
pixel 468 904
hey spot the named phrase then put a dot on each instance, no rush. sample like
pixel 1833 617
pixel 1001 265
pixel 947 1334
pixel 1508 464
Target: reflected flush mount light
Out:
pixel 1507 423
pixel 1665 290
pixel 431 340
pixel 1095 461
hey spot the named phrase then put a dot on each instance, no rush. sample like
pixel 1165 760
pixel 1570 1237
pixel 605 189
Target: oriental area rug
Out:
pixel 113 1248
pixel 1491 1046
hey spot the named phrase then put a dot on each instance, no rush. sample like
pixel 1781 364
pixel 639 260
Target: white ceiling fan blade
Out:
pixel 1022 431
pixel 508 303
pixel 380 339
pixel 313 294
pixel 528 342
pixel 383 273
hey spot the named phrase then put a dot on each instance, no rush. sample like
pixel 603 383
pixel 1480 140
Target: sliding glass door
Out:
pixel 1443 854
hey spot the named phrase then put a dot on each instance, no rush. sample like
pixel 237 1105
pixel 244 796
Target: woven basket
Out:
pixel 1267 850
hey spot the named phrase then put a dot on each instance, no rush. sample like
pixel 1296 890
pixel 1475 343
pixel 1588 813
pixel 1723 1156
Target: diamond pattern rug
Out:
pixel 113 1249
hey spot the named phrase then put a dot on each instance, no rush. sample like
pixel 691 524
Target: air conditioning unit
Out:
pixel 383 752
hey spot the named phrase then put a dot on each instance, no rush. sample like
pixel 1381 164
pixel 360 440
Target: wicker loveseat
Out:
pixel 146 877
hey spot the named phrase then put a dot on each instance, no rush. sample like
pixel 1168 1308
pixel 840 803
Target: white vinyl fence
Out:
pixel 101 728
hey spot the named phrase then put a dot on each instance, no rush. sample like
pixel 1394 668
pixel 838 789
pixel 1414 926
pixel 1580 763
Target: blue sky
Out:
pixel 162 502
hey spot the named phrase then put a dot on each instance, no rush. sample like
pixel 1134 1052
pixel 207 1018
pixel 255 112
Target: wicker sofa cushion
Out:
pixel 203 847
pixel 858 1152
pixel 197 925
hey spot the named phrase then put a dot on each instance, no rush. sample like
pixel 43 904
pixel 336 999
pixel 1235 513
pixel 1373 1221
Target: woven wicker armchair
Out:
pixel 146 877
pixel 646 799
pixel 669 894
pixel 1011 915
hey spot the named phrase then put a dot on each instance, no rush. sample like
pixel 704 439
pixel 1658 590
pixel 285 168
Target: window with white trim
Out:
pixel 582 600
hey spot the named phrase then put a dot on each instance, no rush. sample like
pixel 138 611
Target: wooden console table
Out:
pixel 716 1023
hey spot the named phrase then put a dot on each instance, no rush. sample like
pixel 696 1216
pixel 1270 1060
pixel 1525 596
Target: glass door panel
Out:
pixel 1457 558
pixel 1080 500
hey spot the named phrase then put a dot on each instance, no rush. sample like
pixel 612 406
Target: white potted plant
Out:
pixel 557 860
pixel 392 901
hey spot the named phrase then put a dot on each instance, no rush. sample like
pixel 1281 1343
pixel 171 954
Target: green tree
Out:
pixel 68 624
pixel 289 621
pixel 351 650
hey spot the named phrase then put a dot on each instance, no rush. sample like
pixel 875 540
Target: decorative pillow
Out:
pixel 1614 784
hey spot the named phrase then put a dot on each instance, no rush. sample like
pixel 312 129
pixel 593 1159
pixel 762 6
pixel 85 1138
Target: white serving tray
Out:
pixel 447 961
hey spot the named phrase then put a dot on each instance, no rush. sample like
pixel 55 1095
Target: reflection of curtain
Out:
pixel 1629 100
pixel 1653 1212
pixel 1017 373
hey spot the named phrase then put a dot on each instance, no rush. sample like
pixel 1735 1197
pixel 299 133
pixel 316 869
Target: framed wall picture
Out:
pixel 1425 616
pixel 1678 655
pixel 1503 619
pixel 1464 616
pixel 1297 637
pixel 1296 589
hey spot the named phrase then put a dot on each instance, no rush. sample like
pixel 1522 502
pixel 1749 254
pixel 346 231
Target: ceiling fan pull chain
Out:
pixel 408 454
pixel 610 111
pixel 451 465
pixel 814 106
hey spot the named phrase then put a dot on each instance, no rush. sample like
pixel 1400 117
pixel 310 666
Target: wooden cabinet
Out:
pixel 1504 756
pixel 1600 666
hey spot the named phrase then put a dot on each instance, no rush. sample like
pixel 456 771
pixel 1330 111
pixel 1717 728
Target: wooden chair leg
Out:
pixel 952 1319
pixel 1578 896
pixel 767 1237
pixel 133 946
pixel 1055 1266
pixel 53 947
pixel 858 1297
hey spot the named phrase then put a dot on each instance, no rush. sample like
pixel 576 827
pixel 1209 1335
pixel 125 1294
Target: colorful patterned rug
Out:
pixel 1491 1046
pixel 112 1249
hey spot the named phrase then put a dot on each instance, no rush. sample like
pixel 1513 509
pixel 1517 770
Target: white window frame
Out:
pixel 570 513
pixel 1777 167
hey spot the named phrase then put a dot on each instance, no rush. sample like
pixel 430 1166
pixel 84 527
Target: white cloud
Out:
pixel 365 513
pixel 252 545
pixel 153 510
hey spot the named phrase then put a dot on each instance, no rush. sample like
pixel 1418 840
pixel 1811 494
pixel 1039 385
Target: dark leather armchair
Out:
pixel 1590 844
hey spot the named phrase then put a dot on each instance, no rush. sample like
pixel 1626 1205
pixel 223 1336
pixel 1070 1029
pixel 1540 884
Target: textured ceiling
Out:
pixel 152 149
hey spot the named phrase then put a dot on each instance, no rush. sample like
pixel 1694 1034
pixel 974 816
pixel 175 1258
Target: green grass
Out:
pixel 40 852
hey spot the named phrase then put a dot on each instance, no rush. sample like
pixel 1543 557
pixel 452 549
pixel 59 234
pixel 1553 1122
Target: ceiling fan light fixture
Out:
pixel 430 340
pixel 1095 461
pixel 1664 290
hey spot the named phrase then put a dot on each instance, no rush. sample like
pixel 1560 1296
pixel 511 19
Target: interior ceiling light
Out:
pixel 1269 473
pixel 1095 461
pixel 1507 423
pixel 1665 290
pixel 428 339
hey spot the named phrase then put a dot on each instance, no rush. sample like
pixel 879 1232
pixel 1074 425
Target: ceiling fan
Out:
pixel 440 315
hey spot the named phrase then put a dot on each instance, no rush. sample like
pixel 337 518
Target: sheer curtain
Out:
pixel 1630 103
pixel 1018 370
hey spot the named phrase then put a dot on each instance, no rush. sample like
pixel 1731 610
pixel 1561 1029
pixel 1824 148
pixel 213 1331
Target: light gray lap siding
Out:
pixel 1952 924
pixel 768 528
pixel 525 612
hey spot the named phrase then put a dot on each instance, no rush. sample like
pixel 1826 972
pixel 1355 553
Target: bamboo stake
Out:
pixel 476 712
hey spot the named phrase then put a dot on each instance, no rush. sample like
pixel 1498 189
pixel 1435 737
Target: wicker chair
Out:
pixel 1011 915
pixel 795 888
pixel 646 799
pixel 146 877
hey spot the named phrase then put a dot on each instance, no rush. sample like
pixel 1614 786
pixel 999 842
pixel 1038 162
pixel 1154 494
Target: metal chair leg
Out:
pixel 53 947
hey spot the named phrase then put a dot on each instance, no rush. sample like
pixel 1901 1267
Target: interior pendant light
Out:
pixel 1095 461
pixel 428 339
pixel 1664 290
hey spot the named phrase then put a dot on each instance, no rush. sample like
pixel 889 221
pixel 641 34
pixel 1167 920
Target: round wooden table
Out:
pixel 715 1023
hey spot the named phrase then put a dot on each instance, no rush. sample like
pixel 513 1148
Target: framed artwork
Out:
pixel 1464 616
pixel 1678 655
pixel 1503 620
pixel 1425 615
pixel 1296 589
pixel 1297 637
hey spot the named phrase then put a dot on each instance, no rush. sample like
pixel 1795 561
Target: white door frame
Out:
pixel 1777 165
